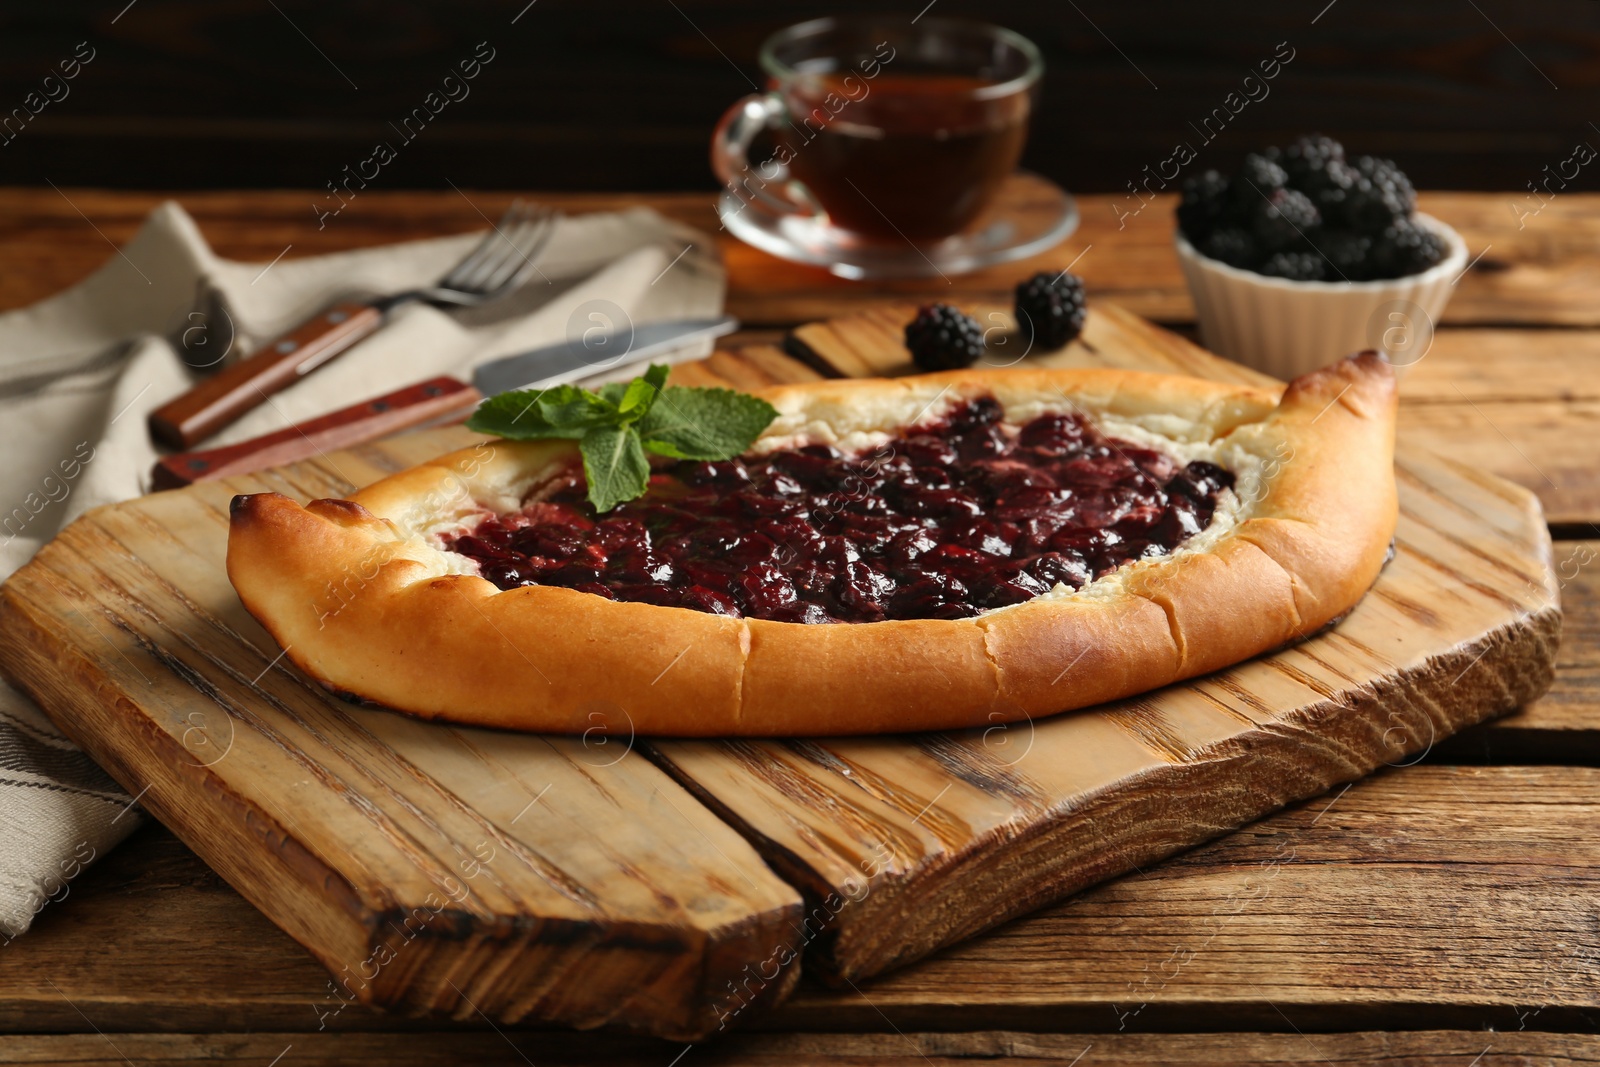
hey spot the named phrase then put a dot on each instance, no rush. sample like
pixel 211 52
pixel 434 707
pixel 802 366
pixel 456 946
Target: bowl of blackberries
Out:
pixel 1304 255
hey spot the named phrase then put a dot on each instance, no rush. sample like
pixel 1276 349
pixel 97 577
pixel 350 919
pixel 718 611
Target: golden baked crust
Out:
pixel 362 599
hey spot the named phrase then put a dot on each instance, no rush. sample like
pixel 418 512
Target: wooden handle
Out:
pixel 426 401
pixel 228 394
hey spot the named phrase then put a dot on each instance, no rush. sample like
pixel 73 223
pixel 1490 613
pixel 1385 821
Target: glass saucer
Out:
pixel 1030 214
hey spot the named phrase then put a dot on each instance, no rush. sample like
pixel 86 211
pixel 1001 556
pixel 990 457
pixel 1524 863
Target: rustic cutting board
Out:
pixel 675 887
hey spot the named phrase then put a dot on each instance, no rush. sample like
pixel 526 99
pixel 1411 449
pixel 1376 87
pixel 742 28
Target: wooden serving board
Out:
pixel 679 887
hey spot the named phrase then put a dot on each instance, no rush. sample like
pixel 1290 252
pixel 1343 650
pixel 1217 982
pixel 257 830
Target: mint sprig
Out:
pixel 616 425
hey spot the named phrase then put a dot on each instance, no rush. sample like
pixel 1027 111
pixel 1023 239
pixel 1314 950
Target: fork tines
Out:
pixel 507 252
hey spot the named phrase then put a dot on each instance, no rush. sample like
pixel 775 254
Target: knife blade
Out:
pixel 595 354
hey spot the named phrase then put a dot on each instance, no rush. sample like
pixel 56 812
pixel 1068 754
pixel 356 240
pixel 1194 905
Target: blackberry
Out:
pixel 943 338
pixel 1365 209
pixel 1205 201
pixel 1405 248
pixel 1051 307
pixel 1256 178
pixel 1283 220
pixel 1381 196
pixel 1328 187
pixel 1347 254
pixel 1234 247
pixel 1430 251
pixel 1309 155
pixel 1389 180
pixel 1295 266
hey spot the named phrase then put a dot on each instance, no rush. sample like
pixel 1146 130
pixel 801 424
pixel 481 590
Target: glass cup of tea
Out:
pixel 887 129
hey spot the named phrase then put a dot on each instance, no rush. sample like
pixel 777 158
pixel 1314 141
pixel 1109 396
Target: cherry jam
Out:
pixel 945 521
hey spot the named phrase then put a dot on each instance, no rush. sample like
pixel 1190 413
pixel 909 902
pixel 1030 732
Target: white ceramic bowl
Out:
pixel 1289 328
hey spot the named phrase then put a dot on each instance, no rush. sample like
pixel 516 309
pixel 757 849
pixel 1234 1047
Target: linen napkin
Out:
pixel 80 371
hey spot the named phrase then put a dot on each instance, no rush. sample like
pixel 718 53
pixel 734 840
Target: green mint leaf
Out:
pixel 569 407
pixel 615 465
pixel 641 393
pixel 613 393
pixel 529 414
pixel 704 424
pixel 637 400
pixel 656 375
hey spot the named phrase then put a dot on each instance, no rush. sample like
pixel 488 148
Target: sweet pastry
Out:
pixel 932 552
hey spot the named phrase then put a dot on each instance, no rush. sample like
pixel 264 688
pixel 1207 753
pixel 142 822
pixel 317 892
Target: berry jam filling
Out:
pixel 942 522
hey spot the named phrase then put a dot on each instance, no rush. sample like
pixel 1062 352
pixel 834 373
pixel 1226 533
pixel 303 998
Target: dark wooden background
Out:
pixel 1466 94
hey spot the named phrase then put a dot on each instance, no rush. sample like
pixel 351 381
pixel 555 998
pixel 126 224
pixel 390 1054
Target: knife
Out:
pixel 438 400
pixel 591 355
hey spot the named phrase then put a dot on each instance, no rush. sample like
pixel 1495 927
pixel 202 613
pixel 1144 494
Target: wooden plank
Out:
pixel 150 938
pixel 1419 897
pixel 1425 897
pixel 1478 364
pixel 1533 271
pixel 49 246
pixel 1464 366
pixel 1546 447
pixel 396 850
pixel 871 344
pixel 1428 1048
pixel 1524 404
pixel 1542 274
pixel 1563 726
pixel 745 367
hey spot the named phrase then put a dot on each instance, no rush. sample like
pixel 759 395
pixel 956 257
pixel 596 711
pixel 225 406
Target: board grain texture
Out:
pixel 1427 897
pixel 456 871
pixel 1419 1049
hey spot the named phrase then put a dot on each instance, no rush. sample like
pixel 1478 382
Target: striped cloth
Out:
pixel 80 370
pixel 59 810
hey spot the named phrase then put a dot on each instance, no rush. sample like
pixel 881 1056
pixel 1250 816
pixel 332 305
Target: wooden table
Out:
pixel 1441 913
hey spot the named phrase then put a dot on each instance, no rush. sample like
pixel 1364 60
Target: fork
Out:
pixel 493 267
